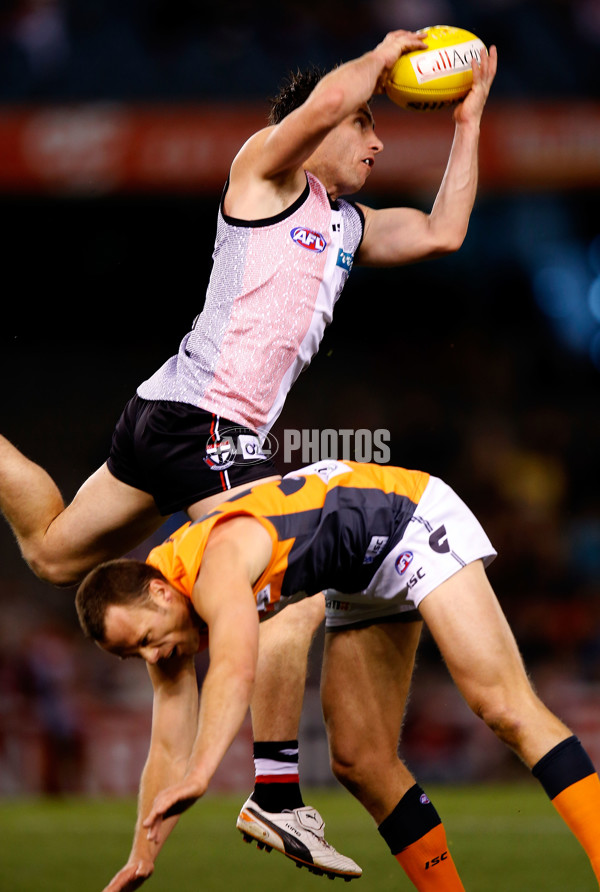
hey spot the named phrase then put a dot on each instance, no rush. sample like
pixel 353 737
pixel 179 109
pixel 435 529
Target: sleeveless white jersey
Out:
pixel 271 294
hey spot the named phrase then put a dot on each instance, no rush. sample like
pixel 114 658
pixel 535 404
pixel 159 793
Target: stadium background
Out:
pixel 117 124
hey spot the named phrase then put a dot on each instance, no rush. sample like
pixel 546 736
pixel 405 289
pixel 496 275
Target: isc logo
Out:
pixel 436 860
pixel 312 241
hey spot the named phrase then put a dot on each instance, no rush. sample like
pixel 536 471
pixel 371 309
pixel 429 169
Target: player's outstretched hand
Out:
pixel 130 877
pixel 484 72
pixel 171 801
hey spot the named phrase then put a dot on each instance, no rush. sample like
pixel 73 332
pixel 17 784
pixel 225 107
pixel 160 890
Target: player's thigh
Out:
pixel 473 636
pixel 365 684
pixel 203 506
pixel 105 519
pixel 297 621
pixel 284 644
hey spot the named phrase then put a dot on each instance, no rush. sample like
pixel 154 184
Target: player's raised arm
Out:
pixel 394 236
pixel 279 151
pixel 236 554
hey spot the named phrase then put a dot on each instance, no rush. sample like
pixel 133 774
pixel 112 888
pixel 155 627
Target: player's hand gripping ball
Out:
pixel 438 77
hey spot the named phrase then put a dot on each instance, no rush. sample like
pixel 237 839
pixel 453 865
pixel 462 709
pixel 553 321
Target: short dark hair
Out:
pixel 121 581
pixel 294 91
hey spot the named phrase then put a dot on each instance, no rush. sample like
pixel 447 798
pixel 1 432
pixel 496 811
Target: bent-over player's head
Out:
pixel 131 610
pixel 123 582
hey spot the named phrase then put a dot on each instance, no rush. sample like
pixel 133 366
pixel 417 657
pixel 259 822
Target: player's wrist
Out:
pixel 143 851
pixel 467 125
pixel 382 59
pixel 198 776
pixel 140 867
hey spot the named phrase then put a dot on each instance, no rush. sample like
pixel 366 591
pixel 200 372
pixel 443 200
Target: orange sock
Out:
pixel 428 864
pixel 417 839
pixel 573 786
pixel 579 807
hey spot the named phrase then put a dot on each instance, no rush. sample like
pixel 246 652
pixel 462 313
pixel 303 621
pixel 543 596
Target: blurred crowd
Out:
pixel 88 50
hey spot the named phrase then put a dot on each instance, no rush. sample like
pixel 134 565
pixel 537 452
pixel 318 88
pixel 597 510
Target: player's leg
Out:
pixel 482 656
pixel 275 813
pixel 203 506
pixel 365 685
pixel 60 543
pixel 285 641
pixel 182 469
pixel 157 446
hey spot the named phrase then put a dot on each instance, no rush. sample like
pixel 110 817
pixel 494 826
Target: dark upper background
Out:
pixel 483 366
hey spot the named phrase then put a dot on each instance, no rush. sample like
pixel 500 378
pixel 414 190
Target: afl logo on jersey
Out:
pixel 403 561
pixel 307 238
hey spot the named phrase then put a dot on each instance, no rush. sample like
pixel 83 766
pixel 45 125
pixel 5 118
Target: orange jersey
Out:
pixel 331 526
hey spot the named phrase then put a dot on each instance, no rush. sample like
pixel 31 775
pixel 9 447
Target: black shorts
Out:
pixel 180 454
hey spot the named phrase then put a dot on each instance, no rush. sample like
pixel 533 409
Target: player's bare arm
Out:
pixel 236 554
pixel 395 236
pixel 174 723
pixel 268 175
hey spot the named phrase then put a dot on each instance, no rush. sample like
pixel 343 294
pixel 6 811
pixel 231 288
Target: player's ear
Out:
pixel 160 591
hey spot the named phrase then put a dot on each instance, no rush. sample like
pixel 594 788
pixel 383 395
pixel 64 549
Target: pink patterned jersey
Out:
pixel 271 294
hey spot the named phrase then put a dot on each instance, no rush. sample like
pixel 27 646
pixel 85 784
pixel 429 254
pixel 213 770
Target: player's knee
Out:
pixel 350 774
pixel 503 717
pixel 353 765
pixel 48 569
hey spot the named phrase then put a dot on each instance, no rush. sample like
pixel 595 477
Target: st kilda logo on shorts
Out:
pixel 237 446
pixel 220 453
pixel 309 239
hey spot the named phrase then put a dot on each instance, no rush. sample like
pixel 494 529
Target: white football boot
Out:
pixel 297 834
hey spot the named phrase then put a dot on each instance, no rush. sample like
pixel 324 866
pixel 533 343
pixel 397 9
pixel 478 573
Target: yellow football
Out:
pixel 439 76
